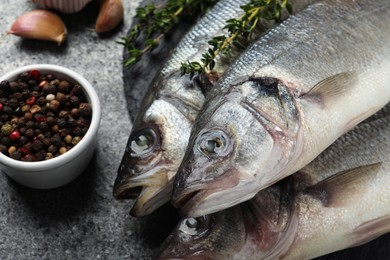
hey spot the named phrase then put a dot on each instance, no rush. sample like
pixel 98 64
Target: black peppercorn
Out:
pixel 4 85
pixel 17 155
pixel 77 90
pixel 28 158
pixel 37 145
pixel 61 122
pixel 32 83
pixel 41 101
pixel 26 93
pixel 56 140
pixel 30 133
pixel 49 89
pixel 18 96
pixel 40 156
pixel 64 87
pixel 49 77
pixel 85 109
pixel 76 131
pixel 25 76
pixel 3 149
pixel 14 86
pixel 43 126
pixel 6 141
pixel 74 101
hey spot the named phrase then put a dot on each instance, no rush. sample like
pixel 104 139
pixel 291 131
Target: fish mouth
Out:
pixel 191 199
pixel 151 190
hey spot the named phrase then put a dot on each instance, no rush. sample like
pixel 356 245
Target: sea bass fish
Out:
pixel 161 130
pixel 285 100
pixel 340 200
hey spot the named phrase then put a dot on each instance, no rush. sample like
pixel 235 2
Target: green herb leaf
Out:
pixel 238 29
pixel 156 22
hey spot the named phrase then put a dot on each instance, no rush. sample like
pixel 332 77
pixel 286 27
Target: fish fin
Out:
pixel 335 191
pixel 370 230
pixel 332 87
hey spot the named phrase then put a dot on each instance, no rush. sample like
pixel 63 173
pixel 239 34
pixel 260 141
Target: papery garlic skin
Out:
pixel 110 15
pixel 40 25
pixel 64 6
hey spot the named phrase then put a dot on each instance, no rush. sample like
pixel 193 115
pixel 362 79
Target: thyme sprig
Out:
pixel 154 22
pixel 239 30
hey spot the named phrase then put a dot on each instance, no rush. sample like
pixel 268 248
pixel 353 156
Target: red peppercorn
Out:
pixel 34 74
pixel 14 135
pixel 1 106
pixel 31 100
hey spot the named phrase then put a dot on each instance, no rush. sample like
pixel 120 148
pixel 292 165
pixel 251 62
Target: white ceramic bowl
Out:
pixel 60 170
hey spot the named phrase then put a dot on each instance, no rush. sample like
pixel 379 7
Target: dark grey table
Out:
pixel 82 220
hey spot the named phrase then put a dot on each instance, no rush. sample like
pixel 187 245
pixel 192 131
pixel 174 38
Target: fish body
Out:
pixel 161 129
pixel 295 91
pixel 340 200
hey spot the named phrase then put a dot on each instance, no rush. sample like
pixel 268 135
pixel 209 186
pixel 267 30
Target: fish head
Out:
pixel 156 145
pixel 234 149
pixel 261 228
pixel 215 236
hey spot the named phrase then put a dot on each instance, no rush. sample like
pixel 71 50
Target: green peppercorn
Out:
pixel 62 150
pixel 52 149
pixel 6 129
pixel 49 156
pixel 76 140
pixel 68 139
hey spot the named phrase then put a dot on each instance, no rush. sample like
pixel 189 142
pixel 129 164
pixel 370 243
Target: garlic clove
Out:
pixel 110 15
pixel 40 25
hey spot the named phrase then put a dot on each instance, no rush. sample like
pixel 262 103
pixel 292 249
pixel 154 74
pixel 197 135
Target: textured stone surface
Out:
pixel 82 220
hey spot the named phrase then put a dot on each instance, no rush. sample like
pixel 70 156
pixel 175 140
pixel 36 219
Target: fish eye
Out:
pixel 214 143
pixel 143 142
pixel 193 226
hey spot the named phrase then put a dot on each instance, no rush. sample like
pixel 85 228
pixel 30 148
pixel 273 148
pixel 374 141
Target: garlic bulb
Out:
pixel 40 25
pixel 64 6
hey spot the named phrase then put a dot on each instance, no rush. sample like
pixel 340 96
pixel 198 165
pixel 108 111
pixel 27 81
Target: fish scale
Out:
pixel 333 58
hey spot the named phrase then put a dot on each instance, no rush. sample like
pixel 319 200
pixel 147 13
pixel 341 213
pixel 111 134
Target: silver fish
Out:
pixel 161 129
pixel 285 100
pixel 340 200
